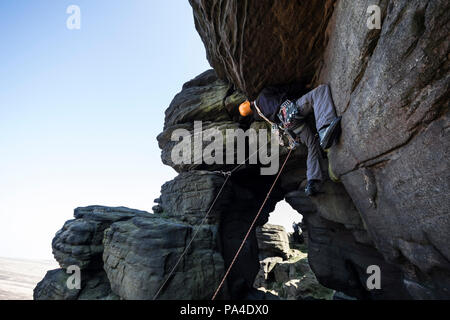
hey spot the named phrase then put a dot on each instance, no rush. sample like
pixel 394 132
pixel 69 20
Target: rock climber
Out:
pixel 277 106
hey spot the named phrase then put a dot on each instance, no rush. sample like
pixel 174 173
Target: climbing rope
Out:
pixel 227 175
pixel 251 226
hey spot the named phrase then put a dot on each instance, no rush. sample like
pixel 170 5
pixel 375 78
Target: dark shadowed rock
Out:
pixel 394 150
pixel 288 277
pixel 391 87
pixel 339 254
pixel 139 254
pixel 258 43
pixel 189 196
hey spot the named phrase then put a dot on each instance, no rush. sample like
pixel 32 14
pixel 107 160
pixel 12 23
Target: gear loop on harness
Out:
pixel 280 129
pixel 224 173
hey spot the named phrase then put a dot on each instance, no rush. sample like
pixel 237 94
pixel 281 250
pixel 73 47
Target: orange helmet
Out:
pixel 245 109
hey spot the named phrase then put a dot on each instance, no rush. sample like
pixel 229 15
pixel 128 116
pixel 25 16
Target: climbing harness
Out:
pixel 251 227
pixel 291 123
pixel 227 175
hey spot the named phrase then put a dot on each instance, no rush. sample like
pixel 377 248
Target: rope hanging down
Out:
pixel 227 175
pixel 251 226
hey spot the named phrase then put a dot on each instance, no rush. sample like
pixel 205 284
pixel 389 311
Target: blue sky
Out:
pixel 80 109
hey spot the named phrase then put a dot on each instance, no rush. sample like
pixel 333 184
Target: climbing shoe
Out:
pixel 328 134
pixel 312 187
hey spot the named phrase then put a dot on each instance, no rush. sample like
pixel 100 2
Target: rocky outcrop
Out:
pixel 273 241
pixel 80 241
pixel 394 148
pixel 285 37
pixel 135 252
pixel 206 99
pixel 385 203
pixel 246 188
pixel 391 87
pixel 286 277
pixel 140 253
pixel 94 286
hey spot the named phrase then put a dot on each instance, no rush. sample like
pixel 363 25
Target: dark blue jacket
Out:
pixel 270 99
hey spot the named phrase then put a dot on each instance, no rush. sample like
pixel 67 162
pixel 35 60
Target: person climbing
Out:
pixel 274 104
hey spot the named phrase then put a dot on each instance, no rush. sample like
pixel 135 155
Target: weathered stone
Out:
pixel 290 279
pixel 273 242
pixel 54 287
pixel 389 208
pixel 79 242
pixel 197 156
pixel 337 257
pixel 254 43
pixel 201 98
pixel 94 286
pixel 391 87
pixel 204 111
pixel 140 253
pixel 267 264
pixel 189 196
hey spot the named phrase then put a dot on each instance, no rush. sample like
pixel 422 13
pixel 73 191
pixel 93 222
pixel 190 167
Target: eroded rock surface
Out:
pixel 388 204
pixel 393 155
pixel 79 242
pixel 286 277
pixel 140 253
pixel 285 37
pixel 128 254
pixel 391 87
pixel 94 286
pixel 273 241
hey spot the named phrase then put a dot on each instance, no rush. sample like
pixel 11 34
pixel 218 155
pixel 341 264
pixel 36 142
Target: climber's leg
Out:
pixel 313 170
pixel 320 102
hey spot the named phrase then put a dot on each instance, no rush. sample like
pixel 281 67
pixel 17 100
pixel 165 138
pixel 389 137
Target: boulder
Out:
pixel 273 241
pixel 140 254
pixel 386 204
pixel 128 254
pixel 94 286
pixel 79 242
pixel 290 279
